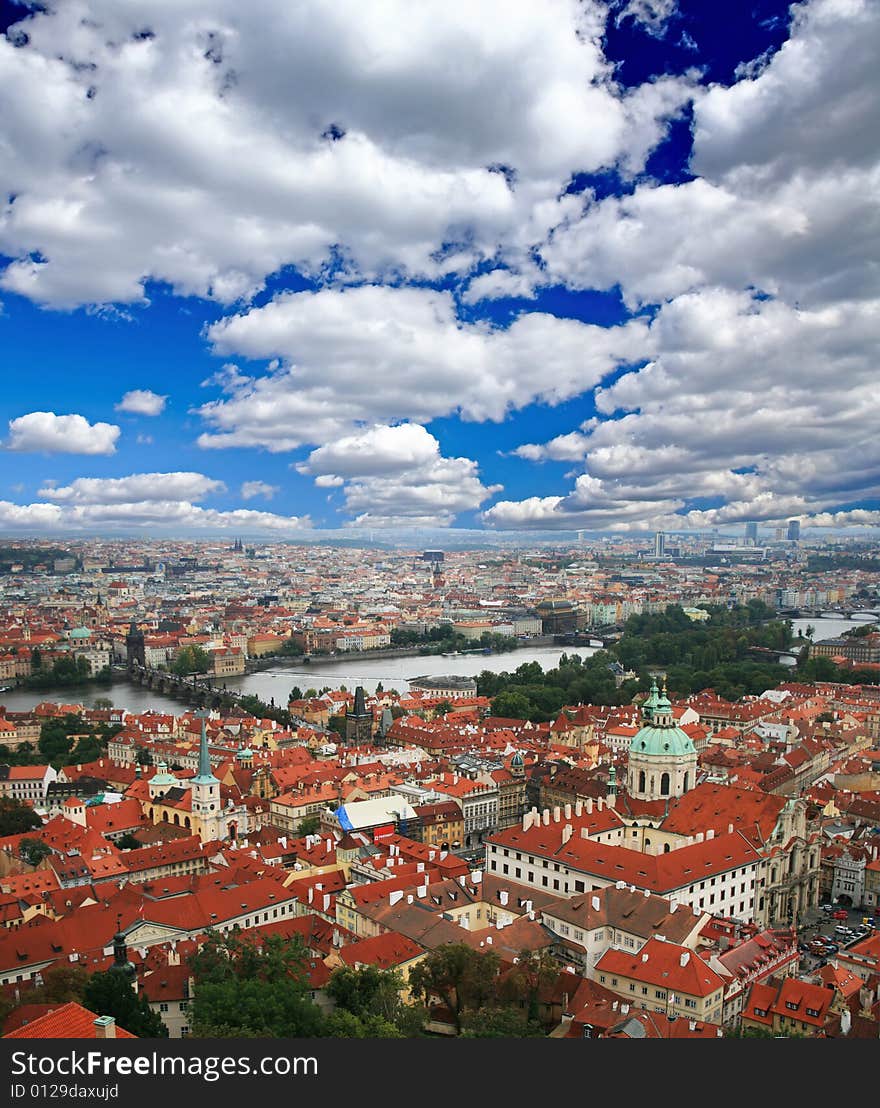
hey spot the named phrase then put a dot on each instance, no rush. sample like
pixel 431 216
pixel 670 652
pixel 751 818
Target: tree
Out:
pixel 534 971
pixel 367 991
pixel 512 705
pixel 128 842
pixel 462 979
pixel 33 851
pixel 499 1023
pixel 16 817
pixel 102 703
pixel 62 984
pixel 110 994
pixel 296 693
pixel 309 825
pixel 247 988
pixel 191 659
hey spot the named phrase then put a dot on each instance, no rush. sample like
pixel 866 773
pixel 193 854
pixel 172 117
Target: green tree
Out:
pixel 191 659
pixel 462 978
pixel 62 984
pixel 102 703
pixel 33 851
pixel 243 989
pixel 367 991
pixel 110 994
pixel 309 825
pixel 499 1023
pixel 128 842
pixel 16 817
pixel 512 705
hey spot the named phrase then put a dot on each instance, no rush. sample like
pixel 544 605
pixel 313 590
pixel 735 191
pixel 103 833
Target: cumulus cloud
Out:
pixel 397 476
pixel 377 355
pixel 142 402
pixel 145 517
pixel 49 433
pixel 787 186
pixel 737 406
pixel 189 145
pixel 251 489
pixel 136 487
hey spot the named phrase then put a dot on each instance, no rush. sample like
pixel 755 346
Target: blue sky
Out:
pixel 596 266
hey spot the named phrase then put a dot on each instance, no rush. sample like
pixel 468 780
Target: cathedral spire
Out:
pixel 204 773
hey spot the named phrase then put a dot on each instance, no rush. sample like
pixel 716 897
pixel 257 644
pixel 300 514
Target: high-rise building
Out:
pixel 659 544
pixel 751 532
pixel 794 530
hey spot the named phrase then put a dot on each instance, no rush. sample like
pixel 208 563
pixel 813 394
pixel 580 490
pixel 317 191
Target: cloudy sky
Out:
pixel 276 268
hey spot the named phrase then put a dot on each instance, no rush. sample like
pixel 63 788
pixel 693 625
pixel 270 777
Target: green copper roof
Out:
pixel 661 742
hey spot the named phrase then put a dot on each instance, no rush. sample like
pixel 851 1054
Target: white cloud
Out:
pixel 142 402
pixel 49 433
pixel 202 154
pixel 251 489
pixel 136 487
pixel 738 407
pixel 653 15
pixel 396 476
pixel 148 517
pixel 787 196
pixel 378 355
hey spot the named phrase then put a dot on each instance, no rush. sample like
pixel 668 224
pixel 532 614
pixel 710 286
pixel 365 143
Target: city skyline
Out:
pixel 511 272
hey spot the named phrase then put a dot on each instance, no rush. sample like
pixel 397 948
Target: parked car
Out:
pixel 841 930
pixel 840 913
pixel 827 907
pixel 832 948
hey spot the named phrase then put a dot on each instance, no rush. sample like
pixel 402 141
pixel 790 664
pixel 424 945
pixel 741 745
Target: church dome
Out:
pixel 660 737
pixel 516 762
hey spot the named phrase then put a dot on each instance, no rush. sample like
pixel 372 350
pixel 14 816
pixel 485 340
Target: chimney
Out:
pixel 557 814
pixel 567 810
pixel 393 897
pixel 710 834
pixel 578 809
pixel 730 829
pixel 624 1009
pixel 699 836
pixel 545 817
pixel 422 891
pixel 567 832
pixel 105 1027
pixel 673 907
pixel 692 1025
pixel 502 897
pixel 599 804
pixel 845 1021
pixel 644 957
pixel 589 805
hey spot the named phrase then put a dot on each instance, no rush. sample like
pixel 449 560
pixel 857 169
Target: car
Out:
pixel 832 948
pixel 840 913
pixel 827 907
pixel 841 930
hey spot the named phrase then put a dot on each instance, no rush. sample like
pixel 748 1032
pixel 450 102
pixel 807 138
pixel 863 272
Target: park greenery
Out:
pixel 190 659
pixel 16 817
pixel 732 652
pixel 444 640
pixel 66 671
pixel 64 740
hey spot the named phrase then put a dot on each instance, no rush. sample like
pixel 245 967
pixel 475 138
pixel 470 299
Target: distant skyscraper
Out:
pixel 794 530
pixel 659 544
pixel 751 532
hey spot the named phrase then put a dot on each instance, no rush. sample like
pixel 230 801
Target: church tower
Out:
pixel 135 647
pixel 358 720
pixel 206 814
pixel 662 763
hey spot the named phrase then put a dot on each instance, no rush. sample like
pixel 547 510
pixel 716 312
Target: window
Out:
pixel 163 1007
pixel 689 1002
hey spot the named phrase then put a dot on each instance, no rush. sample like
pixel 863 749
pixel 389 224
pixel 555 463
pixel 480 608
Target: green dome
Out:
pixel 517 761
pixel 660 737
pixel 661 742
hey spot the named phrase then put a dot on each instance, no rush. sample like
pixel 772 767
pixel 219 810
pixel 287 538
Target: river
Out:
pixel 277 681
pixel 394 673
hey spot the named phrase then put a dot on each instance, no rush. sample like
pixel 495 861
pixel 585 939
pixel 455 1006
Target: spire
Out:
pixel 360 703
pixel 204 773
pixel 612 781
